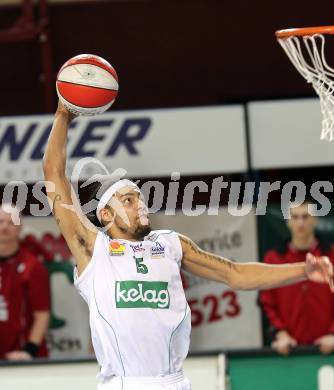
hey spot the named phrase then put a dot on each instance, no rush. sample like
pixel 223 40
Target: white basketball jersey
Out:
pixel 139 317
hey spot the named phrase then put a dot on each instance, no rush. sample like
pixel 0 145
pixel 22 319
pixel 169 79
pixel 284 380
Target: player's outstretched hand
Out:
pixel 319 269
pixel 61 109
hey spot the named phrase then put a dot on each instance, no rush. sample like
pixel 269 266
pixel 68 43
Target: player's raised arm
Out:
pixel 79 238
pixel 249 276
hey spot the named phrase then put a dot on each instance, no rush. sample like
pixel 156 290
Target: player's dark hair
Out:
pixel 89 193
pixel 94 192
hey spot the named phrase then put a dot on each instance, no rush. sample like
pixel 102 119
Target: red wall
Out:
pixel 167 53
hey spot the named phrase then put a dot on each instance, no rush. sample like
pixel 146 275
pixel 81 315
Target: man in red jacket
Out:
pixel 24 296
pixel 301 313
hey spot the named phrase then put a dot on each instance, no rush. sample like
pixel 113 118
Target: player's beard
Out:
pixel 142 231
pixel 138 232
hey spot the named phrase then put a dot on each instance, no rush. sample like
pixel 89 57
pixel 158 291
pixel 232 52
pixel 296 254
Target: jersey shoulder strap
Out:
pixel 168 237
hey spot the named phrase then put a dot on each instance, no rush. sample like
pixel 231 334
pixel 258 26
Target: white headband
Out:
pixel 105 198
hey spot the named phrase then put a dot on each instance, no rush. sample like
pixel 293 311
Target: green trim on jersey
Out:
pixel 168 232
pixel 171 336
pixel 98 310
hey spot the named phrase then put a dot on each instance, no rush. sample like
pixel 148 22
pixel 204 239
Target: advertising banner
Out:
pixel 145 143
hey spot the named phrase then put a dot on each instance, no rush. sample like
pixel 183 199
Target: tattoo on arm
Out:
pixel 56 199
pixel 209 256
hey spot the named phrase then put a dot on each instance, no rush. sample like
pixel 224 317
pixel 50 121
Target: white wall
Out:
pixel 286 133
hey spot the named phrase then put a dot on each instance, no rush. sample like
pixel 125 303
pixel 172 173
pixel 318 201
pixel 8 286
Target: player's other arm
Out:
pixel 249 276
pixel 78 232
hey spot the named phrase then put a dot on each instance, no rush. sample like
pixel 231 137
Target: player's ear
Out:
pixel 106 214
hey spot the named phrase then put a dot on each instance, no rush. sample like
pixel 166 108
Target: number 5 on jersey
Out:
pixel 141 267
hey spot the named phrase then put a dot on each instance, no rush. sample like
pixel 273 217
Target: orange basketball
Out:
pixel 87 84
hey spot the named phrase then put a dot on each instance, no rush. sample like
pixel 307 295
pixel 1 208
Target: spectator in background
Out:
pixel 301 313
pixel 24 296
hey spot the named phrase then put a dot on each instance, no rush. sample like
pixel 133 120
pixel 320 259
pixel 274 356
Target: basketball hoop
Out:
pixel 306 49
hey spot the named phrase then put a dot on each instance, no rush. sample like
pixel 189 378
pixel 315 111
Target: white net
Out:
pixel 307 53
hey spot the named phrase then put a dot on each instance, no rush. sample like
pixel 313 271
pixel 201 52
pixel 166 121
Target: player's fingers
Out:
pixel 18 355
pixel 327 265
pixel 325 349
pixel 276 346
pixel 11 356
pixel 311 258
pixel 327 270
pixel 284 351
pixel 331 284
pixel 280 348
pixel 293 343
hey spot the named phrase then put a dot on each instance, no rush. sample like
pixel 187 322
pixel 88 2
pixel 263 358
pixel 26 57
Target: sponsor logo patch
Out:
pixel 138 249
pixel 141 294
pixel 116 248
pixel 157 251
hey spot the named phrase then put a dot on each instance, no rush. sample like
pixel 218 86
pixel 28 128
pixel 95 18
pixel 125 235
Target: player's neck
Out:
pixel 304 243
pixel 127 238
pixel 8 248
pixel 119 235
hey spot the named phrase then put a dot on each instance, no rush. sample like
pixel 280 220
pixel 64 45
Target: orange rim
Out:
pixel 300 32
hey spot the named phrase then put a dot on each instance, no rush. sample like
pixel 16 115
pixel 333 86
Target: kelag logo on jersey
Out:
pixel 139 294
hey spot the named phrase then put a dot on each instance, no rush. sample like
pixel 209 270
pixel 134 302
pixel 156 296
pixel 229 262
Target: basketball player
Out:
pixel 130 278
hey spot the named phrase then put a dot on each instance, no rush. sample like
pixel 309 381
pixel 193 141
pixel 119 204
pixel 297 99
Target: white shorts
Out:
pixel 170 382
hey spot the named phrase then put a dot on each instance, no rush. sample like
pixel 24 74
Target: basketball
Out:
pixel 87 84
